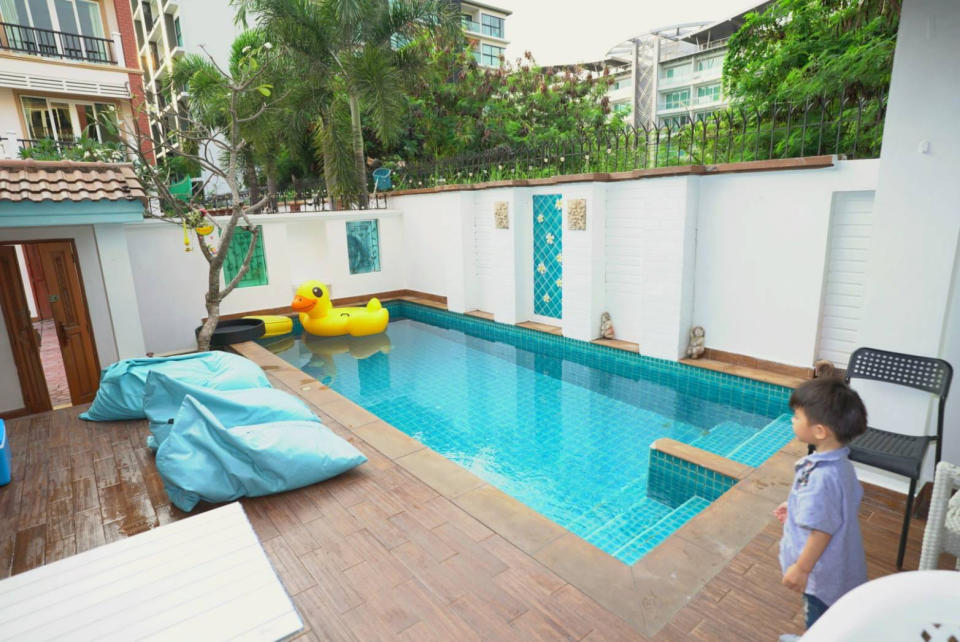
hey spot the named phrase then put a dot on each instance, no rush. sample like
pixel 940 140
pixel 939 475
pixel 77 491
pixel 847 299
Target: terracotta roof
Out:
pixel 30 180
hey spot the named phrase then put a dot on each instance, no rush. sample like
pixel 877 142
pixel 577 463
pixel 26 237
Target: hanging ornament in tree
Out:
pixel 186 238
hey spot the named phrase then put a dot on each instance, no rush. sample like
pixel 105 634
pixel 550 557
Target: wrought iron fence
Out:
pixel 848 127
pixel 309 195
pixel 56 44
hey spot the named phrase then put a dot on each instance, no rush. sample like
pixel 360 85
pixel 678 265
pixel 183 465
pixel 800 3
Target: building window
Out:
pixel 176 27
pixel 714 63
pixel 676 99
pixel 239 244
pixel 490 55
pixel 468 23
pixel 363 246
pixel 708 94
pixel 67 120
pixel 621 108
pixel 673 122
pixel 676 72
pixel 623 83
pixel 492 26
pixel 32 27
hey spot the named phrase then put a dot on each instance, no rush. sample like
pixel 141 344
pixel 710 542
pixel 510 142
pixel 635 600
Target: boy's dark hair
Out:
pixel 831 402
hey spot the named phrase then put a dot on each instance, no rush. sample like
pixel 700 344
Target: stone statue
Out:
pixel 606 326
pixel 696 347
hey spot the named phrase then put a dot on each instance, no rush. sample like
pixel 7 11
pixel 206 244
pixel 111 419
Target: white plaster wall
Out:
pixel 760 253
pixel 171 283
pixel 426 238
pixel 107 74
pixel 488 290
pixel 25 279
pixel 916 220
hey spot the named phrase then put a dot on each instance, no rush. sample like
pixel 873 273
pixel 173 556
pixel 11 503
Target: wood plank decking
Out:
pixel 377 553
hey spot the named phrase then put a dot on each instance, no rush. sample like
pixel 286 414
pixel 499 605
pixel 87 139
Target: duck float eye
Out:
pixel 317 292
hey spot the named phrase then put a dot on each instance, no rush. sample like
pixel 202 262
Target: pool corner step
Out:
pixel 618 530
pixel 651 537
pixel 724 438
pixel 765 443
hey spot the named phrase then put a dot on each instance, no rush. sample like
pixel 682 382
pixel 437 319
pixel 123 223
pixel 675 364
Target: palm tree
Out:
pixel 355 52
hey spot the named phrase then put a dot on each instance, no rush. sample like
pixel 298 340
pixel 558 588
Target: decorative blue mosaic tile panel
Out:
pixel 548 255
pixel 673 481
pixel 363 246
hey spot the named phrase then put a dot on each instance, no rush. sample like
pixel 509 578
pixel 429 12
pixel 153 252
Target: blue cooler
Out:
pixel 4 456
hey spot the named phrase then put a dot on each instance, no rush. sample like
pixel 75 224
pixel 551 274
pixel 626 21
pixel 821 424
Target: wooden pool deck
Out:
pixel 410 546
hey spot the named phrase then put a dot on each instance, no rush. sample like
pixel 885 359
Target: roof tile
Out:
pixel 30 180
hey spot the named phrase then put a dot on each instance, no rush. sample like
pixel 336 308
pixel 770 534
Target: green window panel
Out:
pixel 257 273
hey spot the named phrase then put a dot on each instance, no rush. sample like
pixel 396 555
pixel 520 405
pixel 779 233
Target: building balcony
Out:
pixel 57 44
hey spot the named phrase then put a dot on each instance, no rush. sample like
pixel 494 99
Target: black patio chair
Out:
pixel 890 451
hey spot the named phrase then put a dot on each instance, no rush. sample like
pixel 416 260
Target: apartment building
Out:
pixel 165 31
pixel 64 66
pixel 673 73
pixel 484 26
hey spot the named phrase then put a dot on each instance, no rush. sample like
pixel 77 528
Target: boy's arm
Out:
pixel 795 577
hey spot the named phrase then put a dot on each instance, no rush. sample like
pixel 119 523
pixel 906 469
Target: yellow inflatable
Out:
pixel 319 317
pixel 322 365
pixel 274 325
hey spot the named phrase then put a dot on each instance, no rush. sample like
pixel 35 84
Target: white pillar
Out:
pixel 121 292
pixel 460 260
pixel 11 145
pixel 584 262
pixel 508 261
pixel 118 48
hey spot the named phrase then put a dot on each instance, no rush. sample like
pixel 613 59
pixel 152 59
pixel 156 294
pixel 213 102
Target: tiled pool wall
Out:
pixel 673 481
pixel 744 394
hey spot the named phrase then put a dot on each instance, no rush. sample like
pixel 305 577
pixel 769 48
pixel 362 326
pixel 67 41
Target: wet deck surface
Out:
pixel 377 553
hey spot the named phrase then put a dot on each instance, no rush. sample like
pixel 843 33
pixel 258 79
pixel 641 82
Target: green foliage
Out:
pixel 798 50
pixel 83 149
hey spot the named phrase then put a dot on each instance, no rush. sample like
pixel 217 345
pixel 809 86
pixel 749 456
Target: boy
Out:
pixel 821 552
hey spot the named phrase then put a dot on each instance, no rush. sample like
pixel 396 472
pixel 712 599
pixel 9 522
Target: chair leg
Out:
pixel 906 524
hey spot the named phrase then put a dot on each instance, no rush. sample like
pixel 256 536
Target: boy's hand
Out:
pixel 795 578
pixel 780 512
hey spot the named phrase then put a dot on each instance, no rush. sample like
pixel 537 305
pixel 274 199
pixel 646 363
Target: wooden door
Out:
pixel 69 307
pixel 38 284
pixel 23 340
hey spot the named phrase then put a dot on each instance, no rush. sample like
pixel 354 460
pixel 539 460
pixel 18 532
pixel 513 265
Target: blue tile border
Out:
pixel 673 481
pixel 741 393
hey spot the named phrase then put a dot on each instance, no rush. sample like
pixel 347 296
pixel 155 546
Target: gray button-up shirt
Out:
pixel 826 497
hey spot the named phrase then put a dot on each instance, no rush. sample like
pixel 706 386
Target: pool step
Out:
pixel 765 443
pixel 602 512
pixel 620 529
pixel 651 537
pixel 724 438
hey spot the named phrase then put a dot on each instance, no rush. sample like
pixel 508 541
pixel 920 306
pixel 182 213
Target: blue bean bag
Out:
pixel 121 385
pixel 201 460
pixel 163 395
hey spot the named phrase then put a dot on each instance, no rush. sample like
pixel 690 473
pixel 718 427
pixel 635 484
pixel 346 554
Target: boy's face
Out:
pixel 805 431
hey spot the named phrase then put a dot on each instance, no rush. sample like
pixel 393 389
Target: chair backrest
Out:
pixel 923 373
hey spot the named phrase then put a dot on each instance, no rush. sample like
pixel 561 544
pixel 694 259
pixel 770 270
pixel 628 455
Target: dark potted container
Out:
pixel 234 331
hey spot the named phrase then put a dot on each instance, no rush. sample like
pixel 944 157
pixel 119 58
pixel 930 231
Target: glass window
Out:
pixel 673 122
pixel 363 246
pixel 620 108
pixel 47 119
pixel 677 72
pixel 469 23
pixel 98 121
pixel 239 244
pixel 708 93
pixel 492 26
pixel 623 83
pixel 709 64
pixel 490 55
pixel 176 26
pixel 676 99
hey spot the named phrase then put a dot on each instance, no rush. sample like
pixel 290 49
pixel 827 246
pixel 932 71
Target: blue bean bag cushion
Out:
pixel 201 460
pixel 121 385
pixel 163 395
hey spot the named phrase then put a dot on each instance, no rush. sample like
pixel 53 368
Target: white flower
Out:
pixel 499 166
pixel 541 268
pixel 549 238
pixel 562 159
pixel 245 49
pixel 267 46
pixel 546 298
pixel 86 154
pixel 545 159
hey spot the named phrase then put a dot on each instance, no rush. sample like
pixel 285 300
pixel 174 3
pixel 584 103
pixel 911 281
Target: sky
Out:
pixel 568 31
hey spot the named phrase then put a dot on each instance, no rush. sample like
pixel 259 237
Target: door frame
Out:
pixel 83 296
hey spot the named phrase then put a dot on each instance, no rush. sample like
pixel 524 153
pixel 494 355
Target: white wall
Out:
pixel 25 278
pixel 171 283
pixel 916 222
pixel 761 243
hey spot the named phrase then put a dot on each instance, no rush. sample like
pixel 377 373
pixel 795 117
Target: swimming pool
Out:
pixel 564 426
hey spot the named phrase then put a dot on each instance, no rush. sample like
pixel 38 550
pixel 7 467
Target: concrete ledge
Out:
pixel 701 457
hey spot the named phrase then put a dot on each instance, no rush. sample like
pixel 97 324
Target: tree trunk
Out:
pixel 272 189
pixel 213 307
pixel 358 154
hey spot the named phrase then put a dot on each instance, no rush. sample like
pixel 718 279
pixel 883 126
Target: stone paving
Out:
pixel 52 360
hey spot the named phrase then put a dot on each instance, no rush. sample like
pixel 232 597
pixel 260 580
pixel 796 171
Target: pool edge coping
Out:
pixel 646 594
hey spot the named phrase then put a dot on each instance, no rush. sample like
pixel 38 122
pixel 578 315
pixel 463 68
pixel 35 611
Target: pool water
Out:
pixel 563 426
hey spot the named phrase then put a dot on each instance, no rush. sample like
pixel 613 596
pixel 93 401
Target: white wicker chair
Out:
pixel 942 534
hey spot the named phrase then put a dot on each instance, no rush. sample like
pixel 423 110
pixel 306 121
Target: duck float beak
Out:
pixel 302 304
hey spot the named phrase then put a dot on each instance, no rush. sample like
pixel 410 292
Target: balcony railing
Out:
pixel 55 44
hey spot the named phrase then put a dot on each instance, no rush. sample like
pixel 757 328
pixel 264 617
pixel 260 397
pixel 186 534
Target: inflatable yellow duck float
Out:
pixel 319 317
